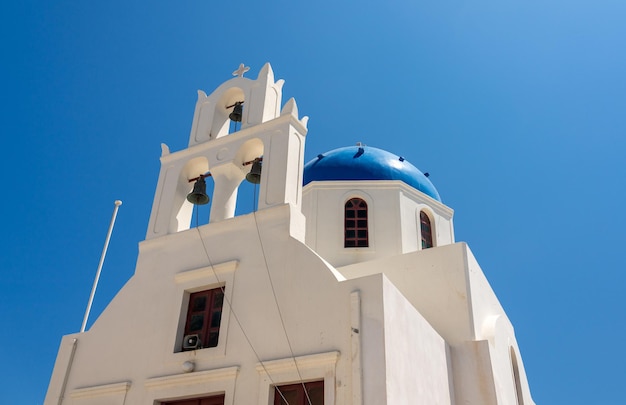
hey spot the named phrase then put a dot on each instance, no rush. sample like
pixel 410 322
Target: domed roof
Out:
pixel 362 162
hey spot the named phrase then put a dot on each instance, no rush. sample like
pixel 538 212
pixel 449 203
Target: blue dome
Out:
pixel 366 163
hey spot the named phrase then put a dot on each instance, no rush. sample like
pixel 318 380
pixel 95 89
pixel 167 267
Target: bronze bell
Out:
pixel 254 176
pixel 198 195
pixel 237 112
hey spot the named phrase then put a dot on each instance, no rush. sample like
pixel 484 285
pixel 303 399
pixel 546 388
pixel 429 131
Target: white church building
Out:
pixel 344 286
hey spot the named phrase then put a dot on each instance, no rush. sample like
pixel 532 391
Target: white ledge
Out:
pixel 99 390
pixel 205 272
pixel 197 377
pixel 303 362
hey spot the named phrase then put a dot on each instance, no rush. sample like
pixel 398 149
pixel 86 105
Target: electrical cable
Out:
pixel 280 314
pixel 232 311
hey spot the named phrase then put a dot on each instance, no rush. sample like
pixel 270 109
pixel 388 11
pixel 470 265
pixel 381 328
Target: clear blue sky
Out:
pixel 516 108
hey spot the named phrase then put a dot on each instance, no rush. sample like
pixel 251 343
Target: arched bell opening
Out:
pixel 201 214
pixel 230 113
pixel 250 158
pixel 194 194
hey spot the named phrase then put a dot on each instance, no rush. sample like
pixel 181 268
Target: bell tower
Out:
pixel 269 140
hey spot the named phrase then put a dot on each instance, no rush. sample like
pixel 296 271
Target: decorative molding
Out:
pixel 367 185
pixel 206 272
pixel 198 377
pixel 319 366
pixel 303 362
pixel 99 390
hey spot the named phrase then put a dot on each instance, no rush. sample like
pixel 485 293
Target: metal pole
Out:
pixel 104 252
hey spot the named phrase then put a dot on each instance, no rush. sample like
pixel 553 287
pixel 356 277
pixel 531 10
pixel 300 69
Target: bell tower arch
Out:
pixel 268 135
pixel 261 100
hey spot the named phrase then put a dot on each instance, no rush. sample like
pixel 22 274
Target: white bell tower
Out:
pixel 268 133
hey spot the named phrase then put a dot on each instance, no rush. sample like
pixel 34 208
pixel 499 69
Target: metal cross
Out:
pixel 241 70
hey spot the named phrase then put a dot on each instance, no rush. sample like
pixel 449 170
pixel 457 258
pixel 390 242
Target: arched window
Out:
pixel 427 234
pixel 355 234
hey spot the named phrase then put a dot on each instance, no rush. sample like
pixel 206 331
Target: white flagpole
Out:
pixel 104 252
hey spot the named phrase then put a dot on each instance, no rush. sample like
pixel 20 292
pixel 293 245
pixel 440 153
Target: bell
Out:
pixel 198 195
pixel 254 176
pixel 237 112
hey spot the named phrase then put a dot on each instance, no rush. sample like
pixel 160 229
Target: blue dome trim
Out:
pixel 366 163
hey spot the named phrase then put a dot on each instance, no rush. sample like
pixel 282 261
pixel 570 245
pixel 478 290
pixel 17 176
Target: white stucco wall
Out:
pixel 134 344
pixel 412 323
pixel 448 288
pixel 416 356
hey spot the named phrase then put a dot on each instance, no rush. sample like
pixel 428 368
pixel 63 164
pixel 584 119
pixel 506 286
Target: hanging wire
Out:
pixel 232 311
pixel 254 208
pixel 280 314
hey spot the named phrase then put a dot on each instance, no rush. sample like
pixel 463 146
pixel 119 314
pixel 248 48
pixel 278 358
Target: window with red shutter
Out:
pixel 212 400
pixel 426 230
pixel 294 394
pixel 204 315
pixel 355 224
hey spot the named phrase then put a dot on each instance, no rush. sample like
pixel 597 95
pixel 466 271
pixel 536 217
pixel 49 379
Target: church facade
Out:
pixel 345 286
